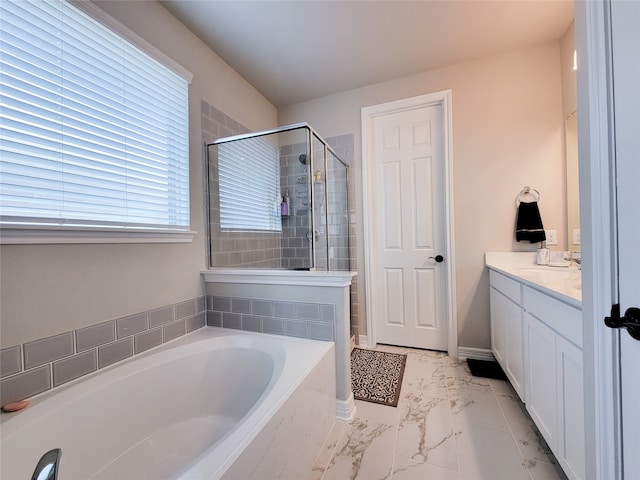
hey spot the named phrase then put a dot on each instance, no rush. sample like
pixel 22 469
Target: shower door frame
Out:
pixel 327 148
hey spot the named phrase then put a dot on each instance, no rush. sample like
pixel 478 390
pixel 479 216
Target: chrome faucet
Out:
pixel 576 257
pixel 47 467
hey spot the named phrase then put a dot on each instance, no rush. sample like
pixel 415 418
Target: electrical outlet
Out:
pixel 552 237
pixel 576 236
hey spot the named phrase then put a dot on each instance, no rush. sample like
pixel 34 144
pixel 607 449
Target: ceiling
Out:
pixel 294 51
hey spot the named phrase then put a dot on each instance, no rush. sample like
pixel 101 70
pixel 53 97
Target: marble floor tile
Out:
pixel 489 453
pixel 406 469
pixel 502 387
pixel 528 439
pixel 475 404
pixel 545 471
pixel 377 413
pixel 364 451
pixel 425 432
pixel 448 425
pixel 324 457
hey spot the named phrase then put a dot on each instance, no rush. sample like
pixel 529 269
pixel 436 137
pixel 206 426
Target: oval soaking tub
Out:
pixel 213 404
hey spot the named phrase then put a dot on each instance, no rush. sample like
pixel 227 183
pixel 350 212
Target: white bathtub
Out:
pixel 213 404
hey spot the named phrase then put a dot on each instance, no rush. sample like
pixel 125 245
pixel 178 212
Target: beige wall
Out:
pixel 569 82
pixel 48 289
pixel 507 133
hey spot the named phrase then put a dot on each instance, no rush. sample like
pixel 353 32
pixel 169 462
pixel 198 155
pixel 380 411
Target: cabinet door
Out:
pixel 540 365
pixel 514 346
pixel 498 337
pixel 571 446
pixel 506 338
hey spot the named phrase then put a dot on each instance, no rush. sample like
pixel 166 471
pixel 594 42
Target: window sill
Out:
pixel 53 235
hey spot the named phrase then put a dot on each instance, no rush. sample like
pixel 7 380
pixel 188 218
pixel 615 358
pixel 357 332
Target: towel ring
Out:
pixel 527 191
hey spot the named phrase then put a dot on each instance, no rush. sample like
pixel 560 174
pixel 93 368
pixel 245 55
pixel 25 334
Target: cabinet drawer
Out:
pixel 509 287
pixel 563 318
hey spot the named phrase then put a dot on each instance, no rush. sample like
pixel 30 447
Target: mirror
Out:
pixel 573 196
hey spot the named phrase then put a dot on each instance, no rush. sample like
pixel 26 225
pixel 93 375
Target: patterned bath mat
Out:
pixel 377 376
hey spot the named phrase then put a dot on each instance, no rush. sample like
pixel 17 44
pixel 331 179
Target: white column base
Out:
pixel 346 409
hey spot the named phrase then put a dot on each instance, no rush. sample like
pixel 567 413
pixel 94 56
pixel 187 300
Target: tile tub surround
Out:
pixel 303 304
pixel 293 319
pixel 448 425
pixel 43 364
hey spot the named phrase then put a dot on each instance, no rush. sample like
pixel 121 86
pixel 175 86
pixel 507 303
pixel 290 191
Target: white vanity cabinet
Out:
pixel 506 328
pixel 554 376
pixel 537 339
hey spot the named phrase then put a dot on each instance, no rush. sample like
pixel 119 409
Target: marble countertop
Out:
pixel 563 283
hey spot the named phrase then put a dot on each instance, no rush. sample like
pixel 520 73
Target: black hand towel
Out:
pixel 529 224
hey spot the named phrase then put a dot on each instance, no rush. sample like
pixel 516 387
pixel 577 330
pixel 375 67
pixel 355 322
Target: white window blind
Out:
pixel 94 132
pixel 249 178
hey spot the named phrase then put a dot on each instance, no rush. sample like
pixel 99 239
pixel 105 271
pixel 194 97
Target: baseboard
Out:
pixel 346 409
pixel 475 353
pixel 363 340
pixel 353 342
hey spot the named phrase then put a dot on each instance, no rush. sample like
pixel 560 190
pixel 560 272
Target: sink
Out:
pixel 550 270
pixel 553 276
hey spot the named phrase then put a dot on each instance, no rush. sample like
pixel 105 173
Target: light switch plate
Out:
pixel 576 236
pixel 552 237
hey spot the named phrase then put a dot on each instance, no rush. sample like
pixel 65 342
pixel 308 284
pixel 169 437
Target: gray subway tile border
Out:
pixel 10 361
pixel 74 367
pixel 115 352
pixel 160 316
pixel 39 365
pixel 186 309
pixel 95 335
pixel 127 326
pixel 146 340
pixel 174 330
pixel 46 350
pixel 25 385
pixel 276 317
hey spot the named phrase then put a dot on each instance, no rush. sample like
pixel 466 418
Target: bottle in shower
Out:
pixel 287 201
pixel 284 207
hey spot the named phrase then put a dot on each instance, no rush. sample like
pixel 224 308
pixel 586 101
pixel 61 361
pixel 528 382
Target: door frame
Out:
pixel 442 98
pixel 596 148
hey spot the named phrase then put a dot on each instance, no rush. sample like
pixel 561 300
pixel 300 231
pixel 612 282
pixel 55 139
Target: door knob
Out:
pixel 438 258
pixel 630 321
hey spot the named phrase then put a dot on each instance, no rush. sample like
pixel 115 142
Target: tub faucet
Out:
pixel 47 467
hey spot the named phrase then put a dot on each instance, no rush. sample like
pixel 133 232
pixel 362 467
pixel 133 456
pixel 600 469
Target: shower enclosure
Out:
pixel 277 199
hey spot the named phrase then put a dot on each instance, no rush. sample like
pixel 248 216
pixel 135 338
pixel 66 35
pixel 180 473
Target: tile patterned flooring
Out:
pixel 448 425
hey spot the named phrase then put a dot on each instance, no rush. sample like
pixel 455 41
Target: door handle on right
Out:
pixel 438 258
pixel 630 320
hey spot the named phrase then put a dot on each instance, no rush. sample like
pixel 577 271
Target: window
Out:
pixel 249 178
pixel 94 131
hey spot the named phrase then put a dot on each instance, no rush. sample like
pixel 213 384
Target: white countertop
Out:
pixel 563 283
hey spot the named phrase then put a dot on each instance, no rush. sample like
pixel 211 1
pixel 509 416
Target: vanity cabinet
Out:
pixel 554 386
pixel 537 339
pixel 506 328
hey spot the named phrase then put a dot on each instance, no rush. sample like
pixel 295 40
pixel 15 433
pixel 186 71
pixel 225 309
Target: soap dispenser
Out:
pixel 284 207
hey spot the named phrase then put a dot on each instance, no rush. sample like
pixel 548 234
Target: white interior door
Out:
pixel 625 17
pixel 408 219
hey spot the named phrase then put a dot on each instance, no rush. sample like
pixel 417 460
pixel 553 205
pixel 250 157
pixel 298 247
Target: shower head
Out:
pixel 303 158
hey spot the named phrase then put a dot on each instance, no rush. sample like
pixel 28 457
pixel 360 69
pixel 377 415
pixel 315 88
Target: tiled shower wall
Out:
pixel 343 145
pixel 294 178
pixel 40 365
pixel 231 249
